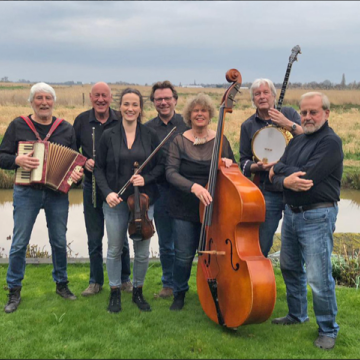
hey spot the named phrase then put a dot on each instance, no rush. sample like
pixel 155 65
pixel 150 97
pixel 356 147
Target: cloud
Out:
pixel 142 40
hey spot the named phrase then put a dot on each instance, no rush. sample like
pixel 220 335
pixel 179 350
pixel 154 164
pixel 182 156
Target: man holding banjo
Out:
pixel 274 128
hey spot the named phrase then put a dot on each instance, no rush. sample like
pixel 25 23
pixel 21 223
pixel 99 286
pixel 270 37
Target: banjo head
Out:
pixel 268 144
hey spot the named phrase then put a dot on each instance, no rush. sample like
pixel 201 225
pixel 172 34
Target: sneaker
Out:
pixel 14 300
pixel 63 290
pixel 139 300
pixel 127 287
pixel 92 289
pixel 287 321
pixel 166 292
pixel 179 300
pixel 325 342
pixel 115 300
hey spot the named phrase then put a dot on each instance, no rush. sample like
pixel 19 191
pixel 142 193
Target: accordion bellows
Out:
pixel 57 162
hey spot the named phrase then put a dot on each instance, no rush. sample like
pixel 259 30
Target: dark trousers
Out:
pixel 164 227
pixel 94 222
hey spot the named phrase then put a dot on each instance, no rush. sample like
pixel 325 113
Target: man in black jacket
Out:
pixel 164 96
pixel 99 118
pixel 310 171
pixel 29 199
pixel 263 95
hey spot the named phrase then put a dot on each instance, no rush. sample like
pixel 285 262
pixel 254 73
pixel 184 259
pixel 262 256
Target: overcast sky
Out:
pixel 143 42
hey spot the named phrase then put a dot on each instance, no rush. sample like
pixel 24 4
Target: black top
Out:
pixel 19 130
pixel 83 125
pixel 187 164
pixel 321 156
pixel 248 128
pixel 162 130
pixel 114 161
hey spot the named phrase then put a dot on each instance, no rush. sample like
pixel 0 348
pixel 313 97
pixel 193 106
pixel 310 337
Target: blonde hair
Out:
pixel 200 99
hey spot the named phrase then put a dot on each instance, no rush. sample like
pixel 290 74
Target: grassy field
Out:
pixel 344 117
pixel 48 327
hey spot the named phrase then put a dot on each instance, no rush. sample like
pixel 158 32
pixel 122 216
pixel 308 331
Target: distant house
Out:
pixel 192 86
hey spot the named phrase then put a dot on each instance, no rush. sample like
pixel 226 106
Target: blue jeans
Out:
pixel 27 204
pixel 164 228
pixel 274 208
pixel 117 221
pixel 186 235
pixel 307 238
pixel 94 222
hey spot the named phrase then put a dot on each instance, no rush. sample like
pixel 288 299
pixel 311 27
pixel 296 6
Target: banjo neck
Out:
pixel 284 86
pixel 294 53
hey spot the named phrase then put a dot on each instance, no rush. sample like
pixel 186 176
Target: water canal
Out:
pixel 348 221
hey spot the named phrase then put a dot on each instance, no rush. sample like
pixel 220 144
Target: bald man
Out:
pixel 99 118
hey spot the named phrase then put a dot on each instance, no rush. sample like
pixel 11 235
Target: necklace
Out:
pixel 200 140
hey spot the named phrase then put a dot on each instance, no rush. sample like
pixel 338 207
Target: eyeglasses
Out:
pixel 311 112
pixel 160 100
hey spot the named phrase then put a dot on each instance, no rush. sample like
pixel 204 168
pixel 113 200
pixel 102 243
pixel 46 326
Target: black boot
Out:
pixel 139 300
pixel 178 302
pixel 63 290
pixel 14 300
pixel 115 300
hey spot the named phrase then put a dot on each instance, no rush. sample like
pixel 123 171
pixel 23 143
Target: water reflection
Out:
pixel 76 234
pixel 348 221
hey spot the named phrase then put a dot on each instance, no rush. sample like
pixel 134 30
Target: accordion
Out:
pixel 57 163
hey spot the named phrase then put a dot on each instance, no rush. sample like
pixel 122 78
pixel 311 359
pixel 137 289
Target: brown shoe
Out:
pixel 92 289
pixel 127 287
pixel 166 292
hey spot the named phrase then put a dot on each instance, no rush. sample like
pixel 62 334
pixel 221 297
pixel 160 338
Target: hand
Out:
pixel 76 175
pixel 202 194
pixel 279 119
pixel 296 183
pixel 27 162
pixel 227 162
pixel 89 165
pixel 265 166
pixel 137 180
pixel 271 174
pixel 113 199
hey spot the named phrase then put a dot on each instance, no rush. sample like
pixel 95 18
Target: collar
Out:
pixel 161 123
pixel 112 116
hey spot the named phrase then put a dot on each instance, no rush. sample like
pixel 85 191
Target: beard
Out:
pixel 313 128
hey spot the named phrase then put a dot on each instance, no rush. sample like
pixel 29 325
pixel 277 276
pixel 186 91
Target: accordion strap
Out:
pixel 56 123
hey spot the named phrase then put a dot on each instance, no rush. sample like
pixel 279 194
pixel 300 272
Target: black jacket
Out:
pixel 107 164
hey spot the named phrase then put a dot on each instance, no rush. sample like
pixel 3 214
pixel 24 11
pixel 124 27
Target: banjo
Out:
pixel 269 143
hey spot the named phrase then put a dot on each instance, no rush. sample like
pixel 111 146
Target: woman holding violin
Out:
pixel 120 147
pixel 187 170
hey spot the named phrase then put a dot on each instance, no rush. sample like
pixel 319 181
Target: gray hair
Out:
pixel 41 87
pixel 200 99
pixel 324 99
pixel 257 83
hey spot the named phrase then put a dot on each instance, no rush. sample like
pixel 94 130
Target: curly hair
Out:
pixel 200 99
pixel 163 85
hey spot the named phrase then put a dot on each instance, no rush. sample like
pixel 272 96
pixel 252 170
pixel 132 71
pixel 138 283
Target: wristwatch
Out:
pixel 293 127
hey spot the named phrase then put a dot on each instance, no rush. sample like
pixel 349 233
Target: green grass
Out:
pixel 47 326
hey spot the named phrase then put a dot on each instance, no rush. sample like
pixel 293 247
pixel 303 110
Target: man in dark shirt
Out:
pixel 310 171
pixel 164 96
pixel 30 199
pixel 263 95
pixel 99 118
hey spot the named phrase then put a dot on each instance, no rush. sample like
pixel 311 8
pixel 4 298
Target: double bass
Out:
pixel 235 282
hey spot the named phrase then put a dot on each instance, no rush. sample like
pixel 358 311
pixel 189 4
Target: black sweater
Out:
pixel 320 155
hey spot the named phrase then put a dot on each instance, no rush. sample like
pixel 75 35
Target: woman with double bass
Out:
pixel 187 171
pixel 120 147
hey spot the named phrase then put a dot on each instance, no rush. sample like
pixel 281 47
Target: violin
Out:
pixel 235 282
pixel 140 226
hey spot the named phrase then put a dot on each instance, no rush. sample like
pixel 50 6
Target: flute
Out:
pixel 93 176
